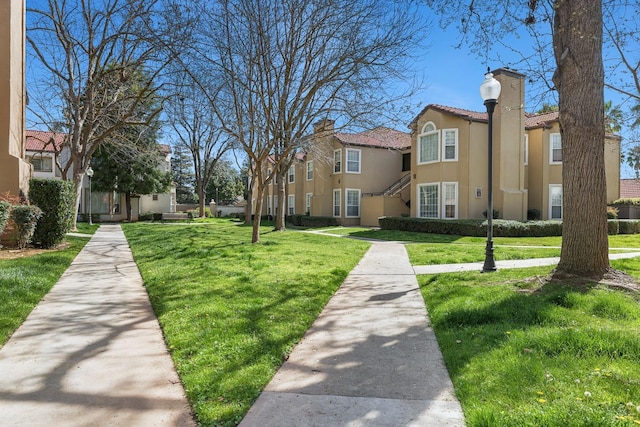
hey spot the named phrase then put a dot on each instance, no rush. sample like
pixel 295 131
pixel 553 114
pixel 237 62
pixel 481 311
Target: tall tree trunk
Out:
pixel 255 234
pixel 579 79
pixel 280 208
pixel 127 203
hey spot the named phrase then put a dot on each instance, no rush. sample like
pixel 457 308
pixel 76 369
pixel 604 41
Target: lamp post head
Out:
pixel 490 88
pixel 89 172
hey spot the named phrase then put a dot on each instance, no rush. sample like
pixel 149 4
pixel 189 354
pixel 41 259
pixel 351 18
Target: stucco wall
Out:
pixel 15 170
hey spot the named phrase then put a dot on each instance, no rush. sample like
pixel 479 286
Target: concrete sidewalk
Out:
pixel 370 359
pixel 92 353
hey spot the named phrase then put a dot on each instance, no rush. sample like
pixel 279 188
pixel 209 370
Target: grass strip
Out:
pixel 527 354
pixel 231 311
pixel 24 281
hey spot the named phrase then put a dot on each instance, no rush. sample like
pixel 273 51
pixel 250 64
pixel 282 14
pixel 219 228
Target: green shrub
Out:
pixel 473 227
pixel 312 221
pixel 25 217
pixel 627 201
pixel 150 216
pixel 613 227
pixel 4 214
pixel 628 226
pixel 57 200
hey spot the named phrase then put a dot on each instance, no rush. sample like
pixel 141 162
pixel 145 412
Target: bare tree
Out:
pixel 283 65
pixel 88 53
pixel 576 30
pixel 197 129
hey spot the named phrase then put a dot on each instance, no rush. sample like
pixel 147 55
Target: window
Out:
pixel 275 205
pixel 353 160
pixel 292 174
pixel 337 161
pixel 291 204
pixel 450 200
pixel 555 145
pixel 450 145
pixel 352 203
pixel 309 170
pixel 307 203
pixel 526 150
pixel 555 201
pixel 154 197
pixel 42 164
pixel 428 200
pixel 337 195
pixel 428 144
pixel 269 205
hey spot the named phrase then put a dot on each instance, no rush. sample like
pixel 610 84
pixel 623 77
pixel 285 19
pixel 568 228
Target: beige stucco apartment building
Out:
pixel 450 159
pixel 354 177
pixel 440 169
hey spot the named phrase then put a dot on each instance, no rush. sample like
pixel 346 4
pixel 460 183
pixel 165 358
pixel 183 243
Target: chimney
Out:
pixel 508 148
pixel 323 126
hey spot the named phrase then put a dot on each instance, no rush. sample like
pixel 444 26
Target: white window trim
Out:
pixel 551 135
pixel 337 192
pixel 269 205
pixel 309 168
pixel 526 150
pixel 427 184
pixel 444 199
pixel 291 177
pixel 307 202
pixel 339 156
pixel 291 204
pixel 348 150
pixel 346 202
pixel 551 206
pixel 419 146
pixel 455 145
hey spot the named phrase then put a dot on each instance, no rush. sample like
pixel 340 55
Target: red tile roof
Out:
pixel 543 120
pixel 531 120
pixel 380 137
pixel 37 140
pixel 629 188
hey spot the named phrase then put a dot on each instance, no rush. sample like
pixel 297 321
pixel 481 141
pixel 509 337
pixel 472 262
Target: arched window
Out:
pixel 428 144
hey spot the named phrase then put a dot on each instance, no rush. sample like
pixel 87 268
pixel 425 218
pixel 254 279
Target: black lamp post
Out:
pixel 490 91
pixel 90 174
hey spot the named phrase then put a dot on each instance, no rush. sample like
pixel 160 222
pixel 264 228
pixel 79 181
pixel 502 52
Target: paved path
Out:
pixel 370 359
pixel 92 353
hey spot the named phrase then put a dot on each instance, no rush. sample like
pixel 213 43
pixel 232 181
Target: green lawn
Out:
pixel 232 311
pixel 24 281
pixel 522 354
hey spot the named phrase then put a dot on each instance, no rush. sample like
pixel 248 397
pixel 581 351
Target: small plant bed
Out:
pixel 231 311
pixel 523 351
pixel 27 277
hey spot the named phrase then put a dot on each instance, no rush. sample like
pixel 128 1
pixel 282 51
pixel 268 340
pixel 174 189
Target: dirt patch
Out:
pixel 13 253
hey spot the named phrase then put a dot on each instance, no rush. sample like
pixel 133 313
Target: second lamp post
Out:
pixel 490 91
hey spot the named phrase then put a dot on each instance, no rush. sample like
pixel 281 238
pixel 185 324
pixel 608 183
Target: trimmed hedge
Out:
pixel 501 228
pixel 627 201
pixel 5 207
pixel 57 200
pixel 25 217
pixel 312 221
